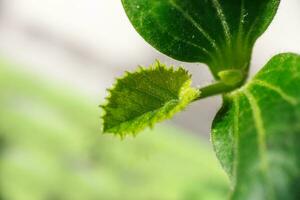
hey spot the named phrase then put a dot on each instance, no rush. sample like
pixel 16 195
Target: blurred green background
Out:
pixel 52 149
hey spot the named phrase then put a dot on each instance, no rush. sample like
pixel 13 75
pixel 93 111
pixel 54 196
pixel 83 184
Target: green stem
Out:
pixel 229 80
pixel 215 89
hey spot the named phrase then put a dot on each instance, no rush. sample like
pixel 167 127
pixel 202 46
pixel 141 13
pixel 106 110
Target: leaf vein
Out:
pixel 204 50
pixel 288 98
pixel 145 93
pixel 173 95
pixel 259 125
pixel 216 4
pixel 242 19
pixel 236 136
pixel 196 24
pixel 262 145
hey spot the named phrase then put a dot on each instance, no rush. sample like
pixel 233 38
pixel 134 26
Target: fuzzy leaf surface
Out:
pixel 256 134
pixel 220 33
pixel 145 97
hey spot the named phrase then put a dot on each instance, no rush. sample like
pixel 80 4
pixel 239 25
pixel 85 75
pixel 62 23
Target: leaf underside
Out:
pixel 145 97
pixel 256 134
pixel 220 33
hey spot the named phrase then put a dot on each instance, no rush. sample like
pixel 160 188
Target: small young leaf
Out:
pixel 256 134
pixel 145 97
pixel 220 33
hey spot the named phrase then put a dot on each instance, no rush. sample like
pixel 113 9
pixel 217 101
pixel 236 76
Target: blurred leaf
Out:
pixel 145 97
pixel 257 132
pixel 218 33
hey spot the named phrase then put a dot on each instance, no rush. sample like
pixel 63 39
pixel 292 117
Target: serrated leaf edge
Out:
pixel 185 90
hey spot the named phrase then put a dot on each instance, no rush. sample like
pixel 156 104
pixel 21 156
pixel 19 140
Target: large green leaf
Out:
pixel 256 134
pixel 145 97
pixel 220 33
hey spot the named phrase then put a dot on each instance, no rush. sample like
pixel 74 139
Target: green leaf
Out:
pixel 256 134
pixel 145 97
pixel 220 33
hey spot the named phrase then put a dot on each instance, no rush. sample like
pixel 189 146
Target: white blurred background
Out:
pixel 87 43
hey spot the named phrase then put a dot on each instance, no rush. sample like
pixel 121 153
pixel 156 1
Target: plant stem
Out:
pixel 215 89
